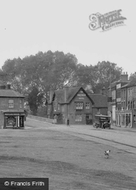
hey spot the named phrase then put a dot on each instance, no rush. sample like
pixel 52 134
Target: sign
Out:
pixel 106 21
pixel 81 93
pixel 11 120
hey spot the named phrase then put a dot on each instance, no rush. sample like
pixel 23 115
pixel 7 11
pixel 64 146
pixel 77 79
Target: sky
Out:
pixel 30 26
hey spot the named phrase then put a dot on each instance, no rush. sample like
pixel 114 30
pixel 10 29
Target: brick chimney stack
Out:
pixel 124 77
pixel 65 93
pixel 51 95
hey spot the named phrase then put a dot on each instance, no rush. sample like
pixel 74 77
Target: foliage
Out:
pixel 132 79
pixel 105 73
pixel 47 71
pixel 35 100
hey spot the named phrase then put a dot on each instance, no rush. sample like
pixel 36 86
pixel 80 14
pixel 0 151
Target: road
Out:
pixel 117 137
pixel 72 157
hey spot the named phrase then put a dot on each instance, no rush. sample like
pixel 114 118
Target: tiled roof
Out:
pixel 99 100
pixel 10 93
pixel 59 94
pixel 71 92
pixel 128 85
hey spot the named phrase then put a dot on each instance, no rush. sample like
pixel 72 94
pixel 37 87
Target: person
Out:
pixel 55 119
pixel 68 121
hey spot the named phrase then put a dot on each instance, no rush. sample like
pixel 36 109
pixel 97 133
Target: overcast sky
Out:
pixel 30 26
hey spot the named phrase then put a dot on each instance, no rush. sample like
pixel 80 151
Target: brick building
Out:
pixel 11 108
pixel 75 105
pixel 128 106
pixel 114 104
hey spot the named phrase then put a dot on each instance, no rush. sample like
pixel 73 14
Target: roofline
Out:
pixel 12 96
pixel 84 92
pixel 128 85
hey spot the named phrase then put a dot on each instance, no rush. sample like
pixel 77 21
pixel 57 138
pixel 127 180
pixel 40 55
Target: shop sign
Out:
pixel 81 93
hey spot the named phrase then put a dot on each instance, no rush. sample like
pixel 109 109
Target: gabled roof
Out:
pixel 71 93
pixel 74 91
pixel 98 100
pixel 10 93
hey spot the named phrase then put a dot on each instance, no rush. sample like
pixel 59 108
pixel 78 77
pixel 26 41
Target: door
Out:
pixel 88 119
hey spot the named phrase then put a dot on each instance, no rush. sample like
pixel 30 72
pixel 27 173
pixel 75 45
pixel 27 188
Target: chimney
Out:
pixel 65 93
pixel 124 77
pixel 103 91
pixel 51 95
pixel 8 86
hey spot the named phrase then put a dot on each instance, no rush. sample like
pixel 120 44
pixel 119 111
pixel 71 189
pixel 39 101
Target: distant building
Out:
pixel 128 106
pixel 12 113
pixel 114 98
pixel 74 105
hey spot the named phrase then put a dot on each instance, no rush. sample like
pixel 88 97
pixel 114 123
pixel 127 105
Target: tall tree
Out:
pixel 85 76
pixel 35 99
pixel 44 70
pixel 132 79
pixel 105 73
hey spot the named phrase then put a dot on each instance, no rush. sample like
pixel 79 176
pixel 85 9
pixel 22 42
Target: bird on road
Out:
pixel 107 152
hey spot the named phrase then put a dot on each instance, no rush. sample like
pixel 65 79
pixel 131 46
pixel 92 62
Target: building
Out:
pixel 12 113
pixel 114 103
pixel 128 106
pixel 73 105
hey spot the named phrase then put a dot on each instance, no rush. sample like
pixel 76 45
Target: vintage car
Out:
pixel 102 121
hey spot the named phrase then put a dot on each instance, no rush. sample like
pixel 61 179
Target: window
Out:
pixel 79 105
pixel 11 103
pixel 58 107
pixel 78 117
pixel 87 105
pixel 98 111
pixel 21 104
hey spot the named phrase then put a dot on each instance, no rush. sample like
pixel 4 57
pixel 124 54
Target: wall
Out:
pixel 72 111
pixel 1 120
pixel 4 103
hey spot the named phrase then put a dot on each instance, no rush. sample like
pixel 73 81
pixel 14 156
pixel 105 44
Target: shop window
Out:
pixel 79 105
pixel 11 103
pixel 87 105
pixel 78 117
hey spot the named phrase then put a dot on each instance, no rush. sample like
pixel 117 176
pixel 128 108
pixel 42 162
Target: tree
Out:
pixel 85 76
pixel 132 79
pixel 105 73
pixel 35 100
pixel 44 70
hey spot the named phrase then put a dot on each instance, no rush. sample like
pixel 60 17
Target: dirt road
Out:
pixel 70 162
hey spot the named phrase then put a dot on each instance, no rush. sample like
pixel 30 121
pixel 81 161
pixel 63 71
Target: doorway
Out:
pixel 88 119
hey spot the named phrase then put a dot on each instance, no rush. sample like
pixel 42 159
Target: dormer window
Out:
pixel 11 103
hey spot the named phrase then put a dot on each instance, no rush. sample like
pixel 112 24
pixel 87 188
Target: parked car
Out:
pixel 102 121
